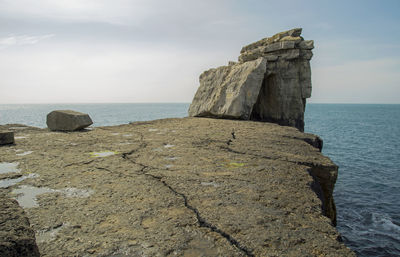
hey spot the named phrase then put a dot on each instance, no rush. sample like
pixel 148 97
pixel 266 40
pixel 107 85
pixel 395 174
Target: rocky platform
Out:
pixel 175 187
pixel 17 238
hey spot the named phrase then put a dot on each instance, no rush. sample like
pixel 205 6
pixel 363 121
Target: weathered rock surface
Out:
pixel 270 82
pixel 67 120
pixel 17 238
pixel 6 137
pixel 179 187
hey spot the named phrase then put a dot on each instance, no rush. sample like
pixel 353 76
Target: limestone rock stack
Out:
pixel 270 82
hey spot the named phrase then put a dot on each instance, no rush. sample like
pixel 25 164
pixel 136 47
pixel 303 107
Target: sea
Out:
pixel 362 139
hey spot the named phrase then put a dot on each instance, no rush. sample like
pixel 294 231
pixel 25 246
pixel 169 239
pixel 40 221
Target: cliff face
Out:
pixel 176 187
pixel 270 82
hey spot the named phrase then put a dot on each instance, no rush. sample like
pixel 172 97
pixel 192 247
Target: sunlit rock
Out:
pixel 67 120
pixel 270 83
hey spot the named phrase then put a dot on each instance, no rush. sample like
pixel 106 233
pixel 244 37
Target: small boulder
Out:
pixel 6 137
pixel 67 120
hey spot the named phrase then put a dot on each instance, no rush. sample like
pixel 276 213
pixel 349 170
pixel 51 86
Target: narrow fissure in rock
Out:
pixel 201 221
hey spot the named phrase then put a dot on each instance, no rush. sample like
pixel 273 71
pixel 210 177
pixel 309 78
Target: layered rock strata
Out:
pixel 270 83
pixel 67 120
pixel 177 187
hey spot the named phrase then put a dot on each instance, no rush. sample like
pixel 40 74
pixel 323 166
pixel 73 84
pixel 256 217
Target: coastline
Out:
pixel 178 187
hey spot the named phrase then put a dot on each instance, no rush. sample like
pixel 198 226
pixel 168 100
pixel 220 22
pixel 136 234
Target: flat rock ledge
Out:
pixel 176 187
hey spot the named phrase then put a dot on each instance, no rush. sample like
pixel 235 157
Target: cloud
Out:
pixel 101 73
pixel 119 12
pixel 186 22
pixel 370 81
pixel 22 40
pixel 154 50
pixel 62 10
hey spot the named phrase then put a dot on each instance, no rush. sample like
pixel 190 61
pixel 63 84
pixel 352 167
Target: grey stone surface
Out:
pixel 221 97
pixel 181 187
pixel 307 44
pixel 282 45
pixel 293 33
pixel 67 120
pixel 6 137
pixel 270 83
pixel 17 238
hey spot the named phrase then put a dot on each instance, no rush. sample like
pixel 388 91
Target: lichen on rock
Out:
pixel 213 187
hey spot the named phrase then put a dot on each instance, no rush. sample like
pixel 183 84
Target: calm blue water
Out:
pixel 364 140
pixel 101 114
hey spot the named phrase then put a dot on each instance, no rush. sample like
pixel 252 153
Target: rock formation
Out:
pixel 6 137
pixel 270 83
pixel 17 238
pixel 67 120
pixel 178 187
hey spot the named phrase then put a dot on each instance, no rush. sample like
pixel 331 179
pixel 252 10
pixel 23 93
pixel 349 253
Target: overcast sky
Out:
pixel 97 51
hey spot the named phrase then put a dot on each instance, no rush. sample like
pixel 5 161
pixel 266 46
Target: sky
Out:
pixel 103 51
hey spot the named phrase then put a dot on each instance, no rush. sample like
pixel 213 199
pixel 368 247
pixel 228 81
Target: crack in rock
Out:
pixel 78 163
pixel 102 168
pixel 200 220
pixel 228 149
pixel 141 146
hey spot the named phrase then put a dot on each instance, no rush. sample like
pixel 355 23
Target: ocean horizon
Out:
pixel 107 114
pixel 362 139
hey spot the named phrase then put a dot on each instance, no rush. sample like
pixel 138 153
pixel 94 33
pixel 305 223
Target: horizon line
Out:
pixel 70 103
